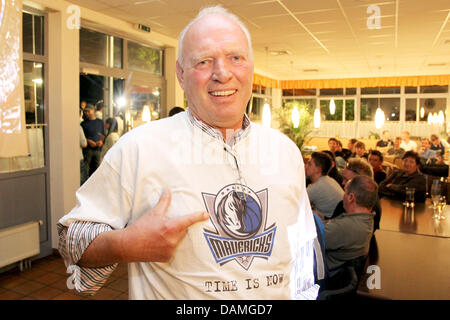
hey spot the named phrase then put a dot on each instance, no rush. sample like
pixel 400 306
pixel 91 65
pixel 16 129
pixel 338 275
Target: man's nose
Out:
pixel 221 71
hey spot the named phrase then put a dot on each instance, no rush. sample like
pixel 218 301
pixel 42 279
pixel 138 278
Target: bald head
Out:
pixel 217 13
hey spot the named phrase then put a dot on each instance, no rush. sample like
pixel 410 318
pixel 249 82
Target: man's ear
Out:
pixel 180 74
pixel 351 198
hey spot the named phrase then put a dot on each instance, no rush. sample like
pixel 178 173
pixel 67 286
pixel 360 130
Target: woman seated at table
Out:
pixel 394 185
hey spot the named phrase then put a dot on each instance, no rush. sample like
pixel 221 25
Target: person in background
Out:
pixel 347 237
pixel 385 142
pixel 342 152
pixel 82 107
pixel 334 172
pixel 112 136
pixel 360 150
pixel 175 110
pixel 427 155
pixel 99 110
pixel 83 167
pixel 407 144
pixel 376 161
pixel 396 150
pixel 355 167
pixel 437 144
pixel 94 131
pixel 332 145
pixel 324 192
pixel 394 185
pixel 351 146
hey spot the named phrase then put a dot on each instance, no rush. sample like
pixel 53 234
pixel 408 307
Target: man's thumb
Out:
pixel 163 203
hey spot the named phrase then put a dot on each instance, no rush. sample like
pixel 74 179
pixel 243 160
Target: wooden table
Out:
pixel 411 266
pixel 395 217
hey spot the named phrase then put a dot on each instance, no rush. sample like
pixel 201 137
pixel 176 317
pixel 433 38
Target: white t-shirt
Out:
pixel 263 252
pixel 411 145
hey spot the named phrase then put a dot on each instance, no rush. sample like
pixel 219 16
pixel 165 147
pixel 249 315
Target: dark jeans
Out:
pixel 92 159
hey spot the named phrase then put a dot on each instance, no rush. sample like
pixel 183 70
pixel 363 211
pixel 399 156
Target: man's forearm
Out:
pixel 104 250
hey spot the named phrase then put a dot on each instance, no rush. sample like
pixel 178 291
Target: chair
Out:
pixel 342 286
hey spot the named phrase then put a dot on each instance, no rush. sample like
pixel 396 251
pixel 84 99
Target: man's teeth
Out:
pixel 223 93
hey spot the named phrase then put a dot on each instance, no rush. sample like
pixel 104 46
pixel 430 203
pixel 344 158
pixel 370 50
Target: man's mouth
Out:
pixel 224 93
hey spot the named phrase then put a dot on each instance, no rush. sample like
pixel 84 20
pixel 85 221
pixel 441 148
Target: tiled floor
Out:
pixel 46 280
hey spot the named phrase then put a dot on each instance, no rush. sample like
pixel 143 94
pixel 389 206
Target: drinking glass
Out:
pixel 435 196
pixel 410 196
pixel 441 206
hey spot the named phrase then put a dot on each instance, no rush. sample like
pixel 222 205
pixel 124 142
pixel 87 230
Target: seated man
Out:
pixel 360 150
pixel 324 192
pixel 355 167
pixel 385 143
pixel 437 144
pixel 376 161
pixel 407 144
pixel 427 155
pixel 347 237
pixel 394 185
pixel 396 150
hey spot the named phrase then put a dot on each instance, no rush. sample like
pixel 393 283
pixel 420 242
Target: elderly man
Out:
pixel 394 185
pixel 234 210
pixel 348 236
pixel 324 192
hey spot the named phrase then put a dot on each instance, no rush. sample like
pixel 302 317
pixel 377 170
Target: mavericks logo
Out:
pixel 239 216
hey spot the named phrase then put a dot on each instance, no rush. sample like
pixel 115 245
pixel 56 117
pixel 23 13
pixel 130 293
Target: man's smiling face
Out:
pixel 217 71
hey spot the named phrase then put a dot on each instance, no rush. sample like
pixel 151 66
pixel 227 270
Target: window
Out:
pixel 390 107
pixel 144 59
pixel 325 110
pixel 411 109
pixel 299 92
pixel 410 89
pixel 34 64
pixel 99 48
pixel 434 89
pixel 331 92
pixel 381 90
pixel 33 33
pixel 34 92
pixel 349 110
pixel 432 106
pixel 350 91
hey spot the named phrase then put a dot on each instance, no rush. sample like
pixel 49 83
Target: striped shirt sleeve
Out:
pixel 73 241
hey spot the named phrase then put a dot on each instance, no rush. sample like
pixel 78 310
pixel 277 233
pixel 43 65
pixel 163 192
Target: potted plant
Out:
pixel 298 134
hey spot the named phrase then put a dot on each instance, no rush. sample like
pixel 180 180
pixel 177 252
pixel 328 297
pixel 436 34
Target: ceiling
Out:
pixel 321 38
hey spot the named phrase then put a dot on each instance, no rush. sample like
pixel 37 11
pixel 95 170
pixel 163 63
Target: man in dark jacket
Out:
pixel 394 185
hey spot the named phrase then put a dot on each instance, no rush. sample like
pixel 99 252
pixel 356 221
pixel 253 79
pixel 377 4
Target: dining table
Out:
pixel 410 254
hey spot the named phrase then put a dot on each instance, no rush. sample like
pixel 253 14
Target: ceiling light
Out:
pixel 332 107
pixel 279 52
pixel 295 117
pixel 310 70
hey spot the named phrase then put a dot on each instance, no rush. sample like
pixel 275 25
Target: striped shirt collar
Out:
pixel 238 136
